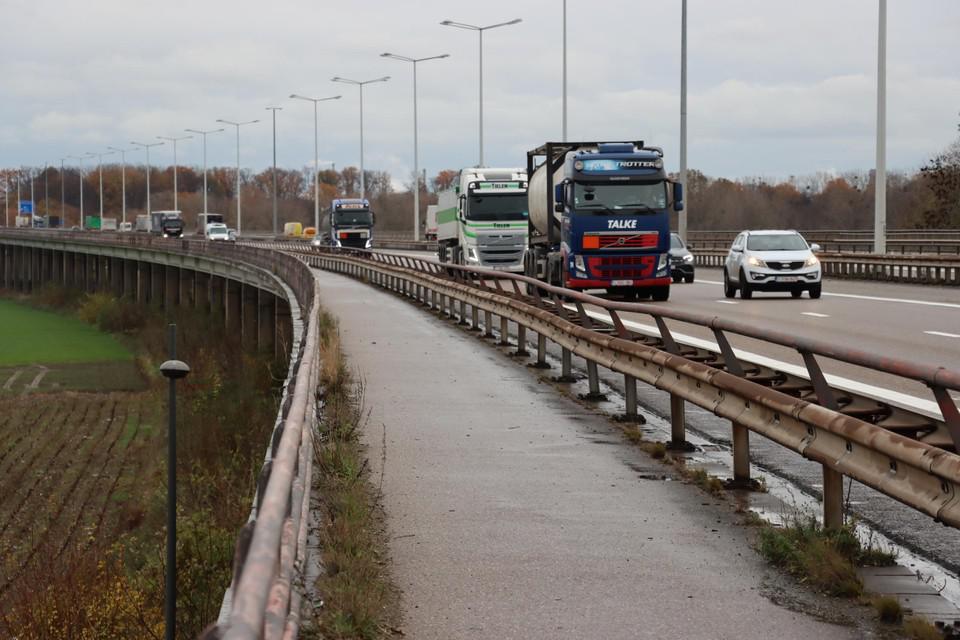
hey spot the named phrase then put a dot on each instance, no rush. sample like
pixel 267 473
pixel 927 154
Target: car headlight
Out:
pixel 579 264
pixel 369 244
pixel 812 261
pixel 688 258
pixel 754 261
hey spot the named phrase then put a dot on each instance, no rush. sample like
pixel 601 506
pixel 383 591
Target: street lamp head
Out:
pixel 174 369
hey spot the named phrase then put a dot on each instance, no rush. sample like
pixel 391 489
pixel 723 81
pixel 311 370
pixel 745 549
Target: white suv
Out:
pixel 771 261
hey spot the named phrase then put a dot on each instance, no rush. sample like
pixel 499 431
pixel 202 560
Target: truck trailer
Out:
pixel 167 223
pixel 482 220
pixel 430 229
pixel 600 217
pixel 203 219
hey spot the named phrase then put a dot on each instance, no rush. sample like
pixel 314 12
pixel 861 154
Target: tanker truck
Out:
pixel 600 218
pixel 482 219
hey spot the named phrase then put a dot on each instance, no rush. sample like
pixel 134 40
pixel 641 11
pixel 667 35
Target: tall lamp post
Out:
pixel 123 178
pixel 238 125
pixel 880 177
pixel 480 30
pixel 147 146
pixel 682 215
pixel 203 134
pixel 79 160
pixel 99 157
pixel 360 83
pixel 175 141
pixel 316 156
pixel 416 156
pixel 564 118
pixel 273 114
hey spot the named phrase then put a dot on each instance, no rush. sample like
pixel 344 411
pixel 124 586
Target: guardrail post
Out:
pixel 678 423
pixel 488 324
pixel 630 395
pixel 541 362
pixel 832 498
pixel 741 455
pixel 474 318
pixel 521 351
pixel 504 331
pixel 463 313
pixel 593 378
pixel 566 366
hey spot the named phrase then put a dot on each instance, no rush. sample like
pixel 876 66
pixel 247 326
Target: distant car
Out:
pixel 232 235
pixel 771 261
pixel 217 231
pixel 681 260
pixel 125 226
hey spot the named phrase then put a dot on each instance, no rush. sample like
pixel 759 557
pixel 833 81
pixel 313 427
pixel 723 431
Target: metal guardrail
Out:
pixel 263 600
pixel 902 241
pixel 913 269
pixel 907 456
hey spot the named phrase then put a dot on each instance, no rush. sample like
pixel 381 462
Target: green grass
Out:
pixel 32 336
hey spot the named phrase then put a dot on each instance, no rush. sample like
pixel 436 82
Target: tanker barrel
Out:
pixel 537 197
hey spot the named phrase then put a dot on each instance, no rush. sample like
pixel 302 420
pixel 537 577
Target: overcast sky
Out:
pixel 776 87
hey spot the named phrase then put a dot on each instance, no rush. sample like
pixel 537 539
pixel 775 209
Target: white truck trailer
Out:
pixel 483 219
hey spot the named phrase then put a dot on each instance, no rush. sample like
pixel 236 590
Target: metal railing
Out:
pixel 905 454
pixel 899 241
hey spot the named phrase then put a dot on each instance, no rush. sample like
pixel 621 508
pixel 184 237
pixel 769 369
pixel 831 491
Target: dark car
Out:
pixel 681 260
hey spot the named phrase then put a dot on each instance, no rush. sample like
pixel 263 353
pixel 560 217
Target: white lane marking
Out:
pixel 927 303
pixel 943 334
pixel 902 400
pixel 814 314
pixel 728 302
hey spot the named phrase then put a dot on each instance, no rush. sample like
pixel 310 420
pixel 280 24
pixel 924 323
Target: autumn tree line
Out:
pixel 927 199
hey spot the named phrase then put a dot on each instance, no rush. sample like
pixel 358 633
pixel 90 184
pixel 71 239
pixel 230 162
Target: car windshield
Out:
pixel 776 242
pixel 675 241
pixel 617 197
pixel 343 217
pixel 484 208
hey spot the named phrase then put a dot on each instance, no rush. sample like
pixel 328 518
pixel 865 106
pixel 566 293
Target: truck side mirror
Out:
pixel 558 198
pixel 462 204
pixel 373 218
pixel 677 196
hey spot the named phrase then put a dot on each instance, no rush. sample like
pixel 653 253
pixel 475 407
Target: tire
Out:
pixel 796 293
pixel 745 291
pixel 677 279
pixel 815 291
pixel 660 294
pixel 441 252
pixel 457 257
pixel 688 279
pixel 729 291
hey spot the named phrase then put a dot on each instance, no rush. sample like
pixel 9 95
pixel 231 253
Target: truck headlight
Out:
pixel 579 264
pixel 369 244
pixel 754 261
pixel 812 261
pixel 663 262
pixel 472 254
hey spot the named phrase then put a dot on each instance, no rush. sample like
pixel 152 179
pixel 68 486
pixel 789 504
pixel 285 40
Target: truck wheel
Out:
pixel 441 252
pixel 661 294
pixel 457 257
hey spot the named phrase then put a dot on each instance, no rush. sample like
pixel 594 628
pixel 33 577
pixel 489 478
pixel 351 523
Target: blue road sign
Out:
pixel 26 207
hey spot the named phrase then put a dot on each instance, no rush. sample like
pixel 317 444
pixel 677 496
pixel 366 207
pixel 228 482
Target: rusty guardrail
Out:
pixel 818 422
pixel 912 269
pixel 899 241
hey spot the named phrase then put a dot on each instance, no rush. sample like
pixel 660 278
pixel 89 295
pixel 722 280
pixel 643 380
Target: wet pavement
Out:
pixel 513 512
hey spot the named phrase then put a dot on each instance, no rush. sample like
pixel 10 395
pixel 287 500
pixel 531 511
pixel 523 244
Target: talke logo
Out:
pixel 621 224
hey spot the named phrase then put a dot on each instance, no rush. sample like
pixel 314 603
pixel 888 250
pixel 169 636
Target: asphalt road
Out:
pixel 514 512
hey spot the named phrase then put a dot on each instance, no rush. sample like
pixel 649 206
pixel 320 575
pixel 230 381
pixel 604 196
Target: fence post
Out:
pixel 832 498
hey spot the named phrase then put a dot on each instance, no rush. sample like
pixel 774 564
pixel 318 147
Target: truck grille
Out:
pixel 612 241
pixel 354 241
pixel 622 267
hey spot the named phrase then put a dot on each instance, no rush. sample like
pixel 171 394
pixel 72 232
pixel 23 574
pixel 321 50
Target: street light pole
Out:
pixel 79 160
pixel 99 157
pixel 147 147
pixel 480 30
pixel 273 111
pixel 565 68
pixel 63 198
pixel 238 125
pixel 123 178
pixel 203 134
pixel 359 83
pixel 175 189
pixel 880 176
pixel 46 192
pixel 416 156
pixel 682 215
pixel 316 156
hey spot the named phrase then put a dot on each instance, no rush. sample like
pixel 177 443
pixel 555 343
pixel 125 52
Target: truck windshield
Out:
pixel 500 207
pixel 620 197
pixel 351 216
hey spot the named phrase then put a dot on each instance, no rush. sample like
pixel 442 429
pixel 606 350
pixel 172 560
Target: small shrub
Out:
pixel 919 629
pixel 888 609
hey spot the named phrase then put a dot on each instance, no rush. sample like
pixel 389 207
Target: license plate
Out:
pixel 788 279
pixel 622 283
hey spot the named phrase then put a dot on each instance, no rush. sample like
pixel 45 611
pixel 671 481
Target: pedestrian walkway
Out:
pixel 515 513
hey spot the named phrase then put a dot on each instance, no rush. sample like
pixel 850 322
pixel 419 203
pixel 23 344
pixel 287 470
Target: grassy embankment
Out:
pixel 82 501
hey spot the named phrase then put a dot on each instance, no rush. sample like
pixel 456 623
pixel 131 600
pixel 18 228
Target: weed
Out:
pixel 888 609
pixel 657 450
pixel 920 629
pixel 699 477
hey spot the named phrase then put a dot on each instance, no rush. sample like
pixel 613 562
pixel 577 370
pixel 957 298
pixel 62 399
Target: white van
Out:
pixel 216 231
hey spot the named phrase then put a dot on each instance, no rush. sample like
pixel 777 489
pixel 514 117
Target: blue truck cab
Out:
pixel 600 218
pixel 351 223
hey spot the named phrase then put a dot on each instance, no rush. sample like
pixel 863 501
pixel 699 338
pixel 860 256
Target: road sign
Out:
pixel 26 207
